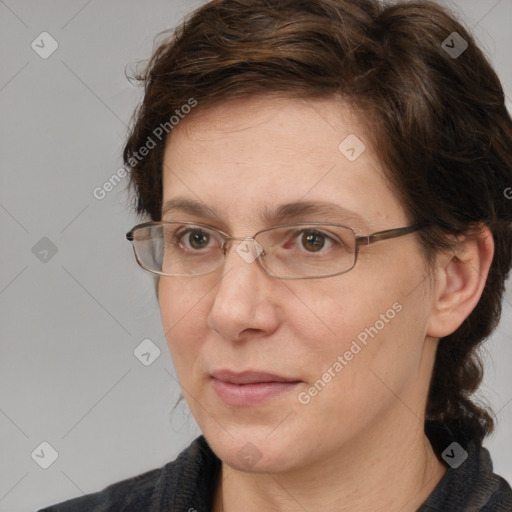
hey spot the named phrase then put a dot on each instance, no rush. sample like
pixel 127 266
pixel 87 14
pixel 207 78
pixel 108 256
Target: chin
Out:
pixel 252 450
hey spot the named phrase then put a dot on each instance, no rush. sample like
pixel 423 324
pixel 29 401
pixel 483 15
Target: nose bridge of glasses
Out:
pixel 248 249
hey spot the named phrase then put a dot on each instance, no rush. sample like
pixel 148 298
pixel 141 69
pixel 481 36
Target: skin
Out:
pixel 359 443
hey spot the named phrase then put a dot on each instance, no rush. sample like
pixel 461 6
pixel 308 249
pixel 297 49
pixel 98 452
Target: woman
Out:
pixel 325 181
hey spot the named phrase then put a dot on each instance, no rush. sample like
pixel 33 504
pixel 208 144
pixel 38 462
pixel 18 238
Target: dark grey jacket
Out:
pixel 187 485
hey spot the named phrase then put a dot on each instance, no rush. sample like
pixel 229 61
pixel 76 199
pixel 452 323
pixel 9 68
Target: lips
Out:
pixel 248 377
pixel 249 388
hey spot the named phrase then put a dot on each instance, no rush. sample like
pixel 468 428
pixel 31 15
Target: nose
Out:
pixel 244 300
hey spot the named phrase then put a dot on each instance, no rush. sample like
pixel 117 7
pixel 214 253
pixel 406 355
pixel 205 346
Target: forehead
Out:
pixel 243 159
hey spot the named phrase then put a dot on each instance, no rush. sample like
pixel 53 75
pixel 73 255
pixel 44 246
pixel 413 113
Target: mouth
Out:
pixel 250 387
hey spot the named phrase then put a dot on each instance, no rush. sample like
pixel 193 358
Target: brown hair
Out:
pixel 437 122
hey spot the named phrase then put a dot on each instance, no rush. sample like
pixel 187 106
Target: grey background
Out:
pixel 69 325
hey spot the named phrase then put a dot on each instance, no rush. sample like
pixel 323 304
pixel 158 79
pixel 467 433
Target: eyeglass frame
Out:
pixel 378 236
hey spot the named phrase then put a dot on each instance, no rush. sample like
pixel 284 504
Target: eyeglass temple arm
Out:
pixel 387 234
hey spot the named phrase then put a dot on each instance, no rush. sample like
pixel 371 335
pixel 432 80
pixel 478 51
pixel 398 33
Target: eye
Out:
pixel 313 240
pixel 194 238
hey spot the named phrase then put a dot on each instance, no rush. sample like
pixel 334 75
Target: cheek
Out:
pixel 183 320
pixel 340 312
pixel 353 328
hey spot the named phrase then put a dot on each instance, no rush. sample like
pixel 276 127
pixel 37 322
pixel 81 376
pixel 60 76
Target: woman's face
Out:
pixel 353 347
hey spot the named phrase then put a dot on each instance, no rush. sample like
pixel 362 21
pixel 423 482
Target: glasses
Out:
pixel 289 251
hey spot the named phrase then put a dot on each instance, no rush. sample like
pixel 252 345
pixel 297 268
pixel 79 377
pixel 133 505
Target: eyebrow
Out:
pixel 330 212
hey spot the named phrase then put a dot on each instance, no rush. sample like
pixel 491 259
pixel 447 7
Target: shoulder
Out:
pixel 190 477
pixel 472 485
pixel 122 496
pixel 494 491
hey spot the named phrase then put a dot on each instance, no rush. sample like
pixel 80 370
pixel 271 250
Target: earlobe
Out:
pixel 461 275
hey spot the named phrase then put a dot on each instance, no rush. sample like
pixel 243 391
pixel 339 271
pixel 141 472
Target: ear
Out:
pixel 461 274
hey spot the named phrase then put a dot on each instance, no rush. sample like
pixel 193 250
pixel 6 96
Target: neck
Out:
pixel 383 470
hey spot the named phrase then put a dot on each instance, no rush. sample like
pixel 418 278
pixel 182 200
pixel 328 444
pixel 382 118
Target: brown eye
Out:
pixel 313 241
pixel 198 239
pixel 193 238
